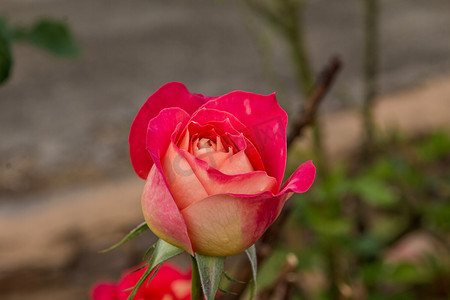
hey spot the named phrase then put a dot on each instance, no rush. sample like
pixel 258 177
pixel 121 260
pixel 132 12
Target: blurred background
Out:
pixel 74 74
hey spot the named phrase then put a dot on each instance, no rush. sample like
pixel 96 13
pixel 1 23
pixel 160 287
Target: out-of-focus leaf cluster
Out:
pixel 360 232
pixel 51 35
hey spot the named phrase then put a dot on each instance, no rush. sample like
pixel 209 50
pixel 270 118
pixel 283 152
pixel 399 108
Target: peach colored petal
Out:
pixel 224 225
pixel 215 158
pixel 236 164
pixel 215 182
pixel 162 214
pixel 183 183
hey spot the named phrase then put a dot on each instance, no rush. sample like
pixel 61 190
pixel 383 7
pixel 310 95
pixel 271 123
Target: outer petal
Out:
pixel 301 180
pixel 172 94
pixel 266 122
pixel 162 214
pixel 223 225
pixel 162 129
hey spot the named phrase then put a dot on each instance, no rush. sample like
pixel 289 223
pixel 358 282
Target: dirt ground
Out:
pixel 67 188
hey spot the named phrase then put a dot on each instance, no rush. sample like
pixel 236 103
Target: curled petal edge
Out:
pixel 227 224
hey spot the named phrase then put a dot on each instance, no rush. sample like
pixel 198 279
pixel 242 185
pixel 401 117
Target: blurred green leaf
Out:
pixel 408 273
pixel 438 214
pixel 53 36
pixel 434 147
pixel 368 245
pixel 382 169
pixel 385 226
pixel 331 227
pixel 372 272
pixel 6 60
pixel 374 191
pixel 270 269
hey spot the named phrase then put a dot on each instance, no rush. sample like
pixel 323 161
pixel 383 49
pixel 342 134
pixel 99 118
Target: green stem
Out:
pixel 370 72
pixel 295 38
pixel 294 32
pixel 196 292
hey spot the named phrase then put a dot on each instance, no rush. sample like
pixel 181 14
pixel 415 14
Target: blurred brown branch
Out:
pixel 322 86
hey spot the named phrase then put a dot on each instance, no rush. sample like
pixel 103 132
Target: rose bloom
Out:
pixel 169 283
pixel 213 167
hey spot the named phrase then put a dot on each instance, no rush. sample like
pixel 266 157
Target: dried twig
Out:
pixel 323 84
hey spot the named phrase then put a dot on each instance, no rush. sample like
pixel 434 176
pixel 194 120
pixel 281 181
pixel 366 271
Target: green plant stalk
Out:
pixel 371 50
pixel 332 271
pixel 295 38
pixel 196 286
pixel 294 34
pixel 370 63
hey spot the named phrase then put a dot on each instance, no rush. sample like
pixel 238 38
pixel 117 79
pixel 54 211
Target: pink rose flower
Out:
pixel 168 284
pixel 213 167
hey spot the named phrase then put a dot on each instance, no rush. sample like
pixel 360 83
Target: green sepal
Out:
pixel 251 253
pixel 232 279
pixel 135 232
pixel 137 269
pixel 163 251
pixel 210 269
pixel 153 275
pixel 227 292
pixel 148 251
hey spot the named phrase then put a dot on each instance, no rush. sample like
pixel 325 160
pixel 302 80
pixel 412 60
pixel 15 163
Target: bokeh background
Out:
pixel 67 188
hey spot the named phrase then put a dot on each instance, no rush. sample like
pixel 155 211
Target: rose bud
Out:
pixel 213 167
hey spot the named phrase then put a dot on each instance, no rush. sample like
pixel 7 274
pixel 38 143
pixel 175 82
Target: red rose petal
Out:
pixel 172 94
pixel 265 121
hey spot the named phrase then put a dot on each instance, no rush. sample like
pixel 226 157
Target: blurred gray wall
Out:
pixel 67 120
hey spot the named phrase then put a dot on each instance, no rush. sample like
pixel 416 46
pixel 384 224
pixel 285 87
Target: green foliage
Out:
pixel 439 215
pixel 135 232
pixel 356 213
pixel 6 60
pixel 434 147
pixel 374 191
pixel 407 273
pixel 269 270
pixel 51 35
